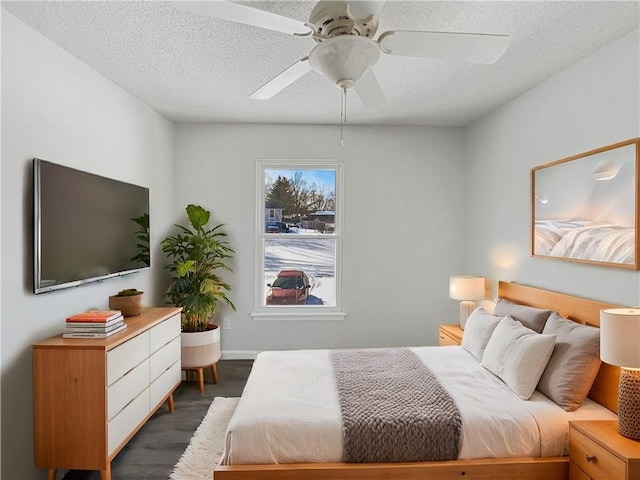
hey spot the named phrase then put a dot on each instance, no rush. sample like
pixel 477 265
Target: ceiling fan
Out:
pixel 345 50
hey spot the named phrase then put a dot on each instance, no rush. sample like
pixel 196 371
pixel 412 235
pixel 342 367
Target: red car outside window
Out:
pixel 291 287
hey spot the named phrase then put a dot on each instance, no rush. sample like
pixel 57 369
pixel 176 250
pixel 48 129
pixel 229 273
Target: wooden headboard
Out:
pixel 581 310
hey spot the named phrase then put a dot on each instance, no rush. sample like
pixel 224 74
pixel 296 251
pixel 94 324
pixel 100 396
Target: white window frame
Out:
pixel 291 312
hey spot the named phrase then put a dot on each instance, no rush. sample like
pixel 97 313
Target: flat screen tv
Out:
pixel 85 227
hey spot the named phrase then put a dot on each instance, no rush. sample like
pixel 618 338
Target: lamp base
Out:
pixel 629 404
pixel 466 307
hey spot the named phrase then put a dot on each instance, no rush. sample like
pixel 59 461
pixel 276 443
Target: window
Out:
pixel 299 220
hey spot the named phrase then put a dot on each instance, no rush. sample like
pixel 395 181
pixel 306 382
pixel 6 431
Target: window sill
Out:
pixel 305 316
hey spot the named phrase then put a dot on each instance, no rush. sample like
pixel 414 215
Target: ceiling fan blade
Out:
pixel 369 91
pixel 361 9
pixel 235 12
pixel 468 47
pixel 282 80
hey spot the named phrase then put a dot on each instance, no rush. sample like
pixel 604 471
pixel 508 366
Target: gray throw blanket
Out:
pixel 393 408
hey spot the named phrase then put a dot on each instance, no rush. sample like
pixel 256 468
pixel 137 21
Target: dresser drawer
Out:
pixel 164 384
pixel 164 358
pixel 163 333
pixel 444 340
pixel 127 388
pixel 127 420
pixel 595 461
pixel 576 474
pixel 126 356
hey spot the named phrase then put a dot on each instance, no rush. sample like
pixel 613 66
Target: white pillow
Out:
pixel 518 355
pixel 477 331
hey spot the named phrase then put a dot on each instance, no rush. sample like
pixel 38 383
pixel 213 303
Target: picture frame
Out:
pixel 586 208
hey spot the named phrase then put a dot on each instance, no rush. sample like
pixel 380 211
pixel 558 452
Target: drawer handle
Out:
pixel 590 458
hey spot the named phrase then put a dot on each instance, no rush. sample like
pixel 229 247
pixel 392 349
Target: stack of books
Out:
pixel 94 324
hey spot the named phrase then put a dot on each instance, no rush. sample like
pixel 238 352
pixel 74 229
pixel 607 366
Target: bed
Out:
pixel 534 458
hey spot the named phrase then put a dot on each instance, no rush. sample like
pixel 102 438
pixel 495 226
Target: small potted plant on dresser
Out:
pixel 195 254
pixel 128 301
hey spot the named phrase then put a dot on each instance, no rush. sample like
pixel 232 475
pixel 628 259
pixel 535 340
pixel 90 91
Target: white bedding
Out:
pixel 579 238
pixel 289 411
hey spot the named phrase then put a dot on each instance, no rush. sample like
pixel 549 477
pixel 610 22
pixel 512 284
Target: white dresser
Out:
pixel 91 396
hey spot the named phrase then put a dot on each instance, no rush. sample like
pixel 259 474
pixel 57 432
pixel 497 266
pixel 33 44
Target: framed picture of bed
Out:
pixel 586 208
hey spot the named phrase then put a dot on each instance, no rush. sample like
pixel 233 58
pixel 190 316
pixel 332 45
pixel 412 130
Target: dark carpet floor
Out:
pixel 157 447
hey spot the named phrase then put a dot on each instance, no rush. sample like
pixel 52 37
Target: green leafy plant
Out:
pixel 143 254
pixel 129 292
pixel 195 254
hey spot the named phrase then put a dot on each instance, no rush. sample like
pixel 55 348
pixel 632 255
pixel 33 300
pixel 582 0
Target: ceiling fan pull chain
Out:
pixel 343 112
pixel 341 119
pixel 344 90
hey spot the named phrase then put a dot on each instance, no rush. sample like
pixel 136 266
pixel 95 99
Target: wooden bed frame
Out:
pixel 604 392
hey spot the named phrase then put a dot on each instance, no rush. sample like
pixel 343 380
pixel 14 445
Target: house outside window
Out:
pixel 273 214
pixel 299 228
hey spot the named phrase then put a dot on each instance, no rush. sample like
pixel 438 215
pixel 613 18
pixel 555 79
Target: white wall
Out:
pixel 591 104
pixel 56 108
pixel 403 218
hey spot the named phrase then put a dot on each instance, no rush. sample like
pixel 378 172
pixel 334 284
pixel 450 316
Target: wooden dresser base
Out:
pixel 91 396
pixel 106 473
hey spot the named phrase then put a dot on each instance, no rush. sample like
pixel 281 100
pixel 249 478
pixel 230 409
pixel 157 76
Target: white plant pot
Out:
pixel 200 349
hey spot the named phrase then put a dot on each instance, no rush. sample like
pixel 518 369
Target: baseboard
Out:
pixel 239 354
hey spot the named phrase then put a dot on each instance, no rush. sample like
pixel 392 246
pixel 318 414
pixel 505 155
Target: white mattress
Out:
pixel 289 411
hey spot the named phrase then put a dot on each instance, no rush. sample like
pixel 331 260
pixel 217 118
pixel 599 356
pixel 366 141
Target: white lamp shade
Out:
pixel 343 59
pixel 620 337
pixel 466 288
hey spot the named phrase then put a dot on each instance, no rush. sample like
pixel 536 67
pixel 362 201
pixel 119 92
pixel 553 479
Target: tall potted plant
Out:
pixel 195 254
pixel 143 251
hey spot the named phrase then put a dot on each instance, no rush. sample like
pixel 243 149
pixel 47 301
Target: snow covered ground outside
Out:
pixel 315 256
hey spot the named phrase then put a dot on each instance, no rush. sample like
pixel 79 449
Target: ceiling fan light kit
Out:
pixel 344 59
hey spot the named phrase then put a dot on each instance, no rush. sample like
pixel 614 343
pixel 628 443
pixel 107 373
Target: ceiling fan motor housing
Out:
pixel 332 18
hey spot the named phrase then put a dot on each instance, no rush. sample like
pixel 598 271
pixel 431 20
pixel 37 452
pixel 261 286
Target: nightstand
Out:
pixel 598 452
pixel 449 335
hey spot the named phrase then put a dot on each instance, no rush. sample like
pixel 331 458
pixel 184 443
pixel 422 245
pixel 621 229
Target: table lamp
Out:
pixel 620 345
pixel 466 289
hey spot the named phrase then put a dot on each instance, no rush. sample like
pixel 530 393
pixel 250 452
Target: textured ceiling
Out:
pixel 197 68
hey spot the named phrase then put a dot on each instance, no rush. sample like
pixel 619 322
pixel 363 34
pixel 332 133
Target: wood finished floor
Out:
pixel 156 448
